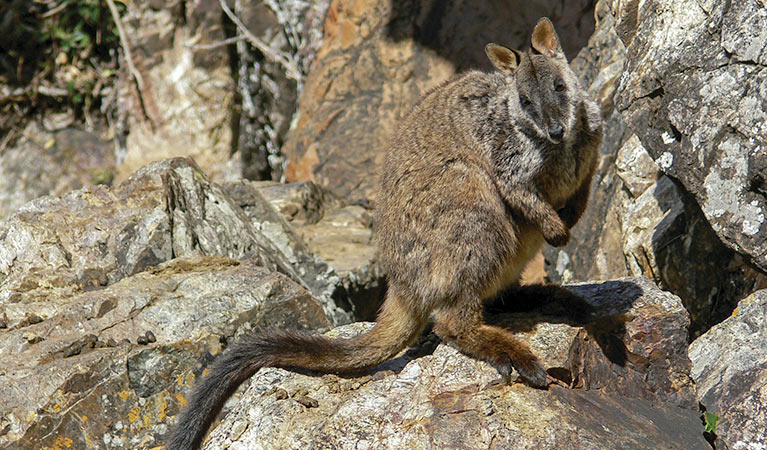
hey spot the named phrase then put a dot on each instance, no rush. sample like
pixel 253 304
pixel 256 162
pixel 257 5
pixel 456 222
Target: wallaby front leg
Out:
pixel 531 207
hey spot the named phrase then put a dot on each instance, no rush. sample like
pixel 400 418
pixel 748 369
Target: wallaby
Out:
pixel 483 169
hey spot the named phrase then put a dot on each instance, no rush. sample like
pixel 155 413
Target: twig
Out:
pixel 284 59
pixel 129 59
pixel 7 95
pixel 289 29
pixel 223 43
pixel 54 11
pixel 126 46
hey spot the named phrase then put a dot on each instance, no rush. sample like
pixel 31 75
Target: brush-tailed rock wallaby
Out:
pixel 483 169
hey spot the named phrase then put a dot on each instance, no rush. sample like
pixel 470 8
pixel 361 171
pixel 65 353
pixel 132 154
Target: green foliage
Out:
pixel 710 420
pixel 64 44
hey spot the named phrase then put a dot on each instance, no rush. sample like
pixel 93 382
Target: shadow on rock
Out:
pixel 456 30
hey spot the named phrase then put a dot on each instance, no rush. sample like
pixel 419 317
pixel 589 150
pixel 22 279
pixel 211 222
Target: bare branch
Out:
pixel 126 46
pixel 129 60
pixel 286 60
pixel 213 45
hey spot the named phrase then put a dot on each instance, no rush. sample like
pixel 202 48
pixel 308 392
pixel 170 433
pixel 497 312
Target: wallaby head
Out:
pixel 546 86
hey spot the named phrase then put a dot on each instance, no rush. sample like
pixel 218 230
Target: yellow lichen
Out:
pixel 134 414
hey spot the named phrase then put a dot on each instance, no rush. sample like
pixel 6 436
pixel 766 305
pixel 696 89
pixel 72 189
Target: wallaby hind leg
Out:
pixel 463 326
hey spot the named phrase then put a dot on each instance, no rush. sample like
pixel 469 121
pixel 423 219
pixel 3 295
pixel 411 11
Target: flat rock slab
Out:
pixel 434 397
pixel 729 365
pixel 108 369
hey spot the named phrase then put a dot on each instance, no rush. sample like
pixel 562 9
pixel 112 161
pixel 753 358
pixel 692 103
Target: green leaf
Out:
pixel 710 420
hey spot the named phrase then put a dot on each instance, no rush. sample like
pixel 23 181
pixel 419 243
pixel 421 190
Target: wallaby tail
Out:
pixel 397 327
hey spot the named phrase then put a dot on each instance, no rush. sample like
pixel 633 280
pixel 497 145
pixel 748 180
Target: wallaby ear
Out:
pixel 504 59
pixel 545 40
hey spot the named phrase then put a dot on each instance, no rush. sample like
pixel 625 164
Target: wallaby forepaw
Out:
pixel 559 236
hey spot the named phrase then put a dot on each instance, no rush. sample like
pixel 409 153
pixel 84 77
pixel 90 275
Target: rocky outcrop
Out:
pixel 94 237
pixel 106 368
pixel 112 298
pixel 340 234
pixel 694 92
pixel 729 365
pixel 633 359
pixel 376 60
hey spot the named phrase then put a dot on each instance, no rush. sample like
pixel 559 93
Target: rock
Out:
pixel 635 167
pixel 184 106
pixel 315 272
pixel 46 162
pixel 303 202
pixel 94 237
pixel 695 93
pixel 432 396
pixel 729 365
pixel 269 94
pixel 639 222
pixel 379 57
pixel 340 235
pixel 78 389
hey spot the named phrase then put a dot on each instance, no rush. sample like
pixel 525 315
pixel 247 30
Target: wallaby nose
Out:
pixel 556 132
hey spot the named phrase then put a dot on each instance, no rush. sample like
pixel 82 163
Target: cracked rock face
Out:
pixel 695 92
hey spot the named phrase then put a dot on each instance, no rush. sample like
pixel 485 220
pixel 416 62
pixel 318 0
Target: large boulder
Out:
pixel 94 237
pixel 379 57
pixel 729 365
pixel 632 359
pixel 695 92
pixel 183 103
pixel 106 368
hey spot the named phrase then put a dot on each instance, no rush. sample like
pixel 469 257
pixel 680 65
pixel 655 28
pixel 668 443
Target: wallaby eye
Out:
pixel 524 101
pixel 559 86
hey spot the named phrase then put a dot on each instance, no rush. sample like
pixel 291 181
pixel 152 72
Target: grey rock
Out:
pixel 695 93
pixel 729 365
pixel 46 162
pixel 339 234
pixel 433 397
pixel 186 101
pixel 95 237
pixel 321 278
pixel 104 395
pixel 635 167
pixel 303 202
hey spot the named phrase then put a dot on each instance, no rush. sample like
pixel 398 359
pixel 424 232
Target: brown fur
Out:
pixel 482 171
